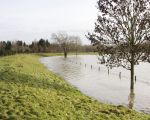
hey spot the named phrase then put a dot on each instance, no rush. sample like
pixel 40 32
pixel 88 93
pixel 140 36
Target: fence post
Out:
pixel 120 75
pixel 99 68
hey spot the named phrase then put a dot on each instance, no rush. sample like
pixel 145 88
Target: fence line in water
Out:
pixel 99 69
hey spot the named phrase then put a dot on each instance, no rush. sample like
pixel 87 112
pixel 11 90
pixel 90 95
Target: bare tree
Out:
pixel 75 43
pixel 124 25
pixel 63 40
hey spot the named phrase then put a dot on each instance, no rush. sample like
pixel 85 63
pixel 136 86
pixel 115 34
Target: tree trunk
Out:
pixel 65 53
pixel 132 73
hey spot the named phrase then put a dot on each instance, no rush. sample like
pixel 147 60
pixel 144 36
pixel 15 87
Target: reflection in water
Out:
pixel 131 99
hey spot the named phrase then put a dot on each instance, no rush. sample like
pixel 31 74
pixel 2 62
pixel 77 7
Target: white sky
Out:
pixel 28 20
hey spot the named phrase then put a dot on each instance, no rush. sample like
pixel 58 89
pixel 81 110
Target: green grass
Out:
pixel 61 54
pixel 28 91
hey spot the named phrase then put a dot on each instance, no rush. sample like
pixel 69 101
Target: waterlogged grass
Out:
pixel 29 91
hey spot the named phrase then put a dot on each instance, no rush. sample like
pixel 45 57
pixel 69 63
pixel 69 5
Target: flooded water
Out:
pixel 96 81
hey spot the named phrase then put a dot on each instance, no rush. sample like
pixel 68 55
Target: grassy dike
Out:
pixel 28 91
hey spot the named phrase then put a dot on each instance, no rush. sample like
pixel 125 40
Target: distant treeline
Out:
pixel 41 46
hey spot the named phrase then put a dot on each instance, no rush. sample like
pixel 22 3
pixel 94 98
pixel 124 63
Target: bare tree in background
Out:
pixel 125 26
pixel 63 40
pixel 67 42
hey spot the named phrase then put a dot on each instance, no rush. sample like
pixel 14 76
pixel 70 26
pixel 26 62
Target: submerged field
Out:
pixel 29 91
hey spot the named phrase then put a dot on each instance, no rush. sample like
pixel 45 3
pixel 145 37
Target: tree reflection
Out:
pixel 131 99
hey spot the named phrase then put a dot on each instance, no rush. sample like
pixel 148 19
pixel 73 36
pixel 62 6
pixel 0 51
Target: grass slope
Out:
pixel 29 91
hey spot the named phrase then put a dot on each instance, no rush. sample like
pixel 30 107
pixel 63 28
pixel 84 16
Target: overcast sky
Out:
pixel 28 20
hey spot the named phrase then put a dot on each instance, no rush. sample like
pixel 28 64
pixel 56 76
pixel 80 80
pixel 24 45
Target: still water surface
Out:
pixel 93 79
